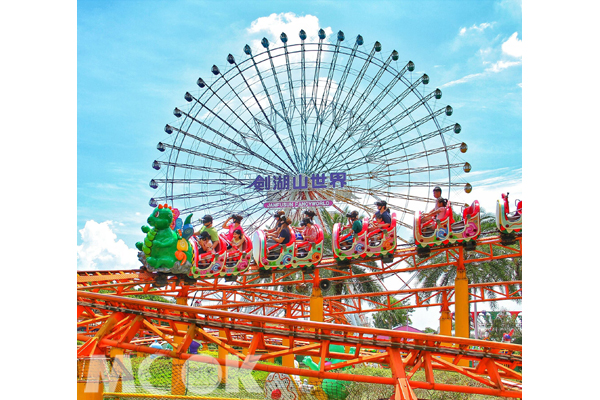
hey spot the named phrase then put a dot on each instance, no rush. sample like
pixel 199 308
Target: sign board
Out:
pixel 299 182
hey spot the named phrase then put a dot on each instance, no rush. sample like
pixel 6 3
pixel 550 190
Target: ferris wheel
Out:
pixel 319 125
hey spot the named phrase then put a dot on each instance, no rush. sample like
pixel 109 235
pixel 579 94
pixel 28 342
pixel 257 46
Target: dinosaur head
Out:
pixel 161 217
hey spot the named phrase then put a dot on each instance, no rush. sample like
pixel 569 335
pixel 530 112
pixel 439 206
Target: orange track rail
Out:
pixel 117 320
pixel 120 319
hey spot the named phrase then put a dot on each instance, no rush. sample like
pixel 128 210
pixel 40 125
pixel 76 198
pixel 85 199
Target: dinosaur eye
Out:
pixel 156 214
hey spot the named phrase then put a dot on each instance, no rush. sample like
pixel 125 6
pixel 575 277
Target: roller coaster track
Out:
pixel 267 337
pixel 248 313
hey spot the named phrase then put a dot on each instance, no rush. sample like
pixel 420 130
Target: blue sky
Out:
pixel 135 60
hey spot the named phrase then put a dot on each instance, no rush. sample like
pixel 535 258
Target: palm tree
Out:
pixel 390 318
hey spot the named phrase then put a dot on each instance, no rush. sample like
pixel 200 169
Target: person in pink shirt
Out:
pixel 310 232
pixel 237 219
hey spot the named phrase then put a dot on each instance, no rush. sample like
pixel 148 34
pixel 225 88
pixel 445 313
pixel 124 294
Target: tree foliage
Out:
pixel 389 319
pixel 503 323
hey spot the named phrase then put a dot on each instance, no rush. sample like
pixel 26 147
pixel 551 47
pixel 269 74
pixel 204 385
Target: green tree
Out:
pixel 388 319
pixel 504 322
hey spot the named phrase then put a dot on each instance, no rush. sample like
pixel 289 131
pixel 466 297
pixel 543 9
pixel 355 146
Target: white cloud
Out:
pixel 100 249
pixel 513 46
pixel 290 23
pixel 475 28
pixel 461 80
pixel 272 26
pixel 502 65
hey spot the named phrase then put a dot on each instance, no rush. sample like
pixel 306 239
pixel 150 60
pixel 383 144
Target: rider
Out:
pixel 204 243
pixel 302 226
pixel 284 236
pixel 207 226
pixel 310 232
pixel 437 193
pixel 237 219
pixel 440 211
pixel 279 215
pixel 384 211
pixel 309 214
pixel 356 225
pixel 235 225
pixel 238 239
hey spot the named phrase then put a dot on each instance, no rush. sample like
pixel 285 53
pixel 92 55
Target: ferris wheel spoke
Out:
pixel 190 98
pixel 223 136
pixel 215 193
pixel 303 117
pixel 378 175
pixel 356 114
pixel 268 96
pixel 285 116
pixel 376 151
pixel 314 95
pixel 292 105
pixel 227 201
pixel 158 165
pixel 385 112
pixel 380 130
pixel 233 162
pixel 336 97
pixel 258 122
pixel 284 112
pixel 421 138
pixel 421 154
pixel 379 194
pixel 315 87
pixel 323 103
pixel 386 194
pixel 260 221
pixel 214 181
pixel 357 121
pixel 332 65
pixel 355 85
pixel 374 105
pixel 223 161
pixel 342 115
pixel 374 133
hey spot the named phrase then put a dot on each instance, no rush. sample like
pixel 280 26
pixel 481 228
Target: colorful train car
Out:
pixel 347 246
pixel 268 254
pixel 238 260
pixel 446 230
pixel 509 223
pixel 208 264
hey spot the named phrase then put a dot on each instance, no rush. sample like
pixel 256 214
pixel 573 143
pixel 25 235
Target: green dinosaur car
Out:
pixel 165 251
